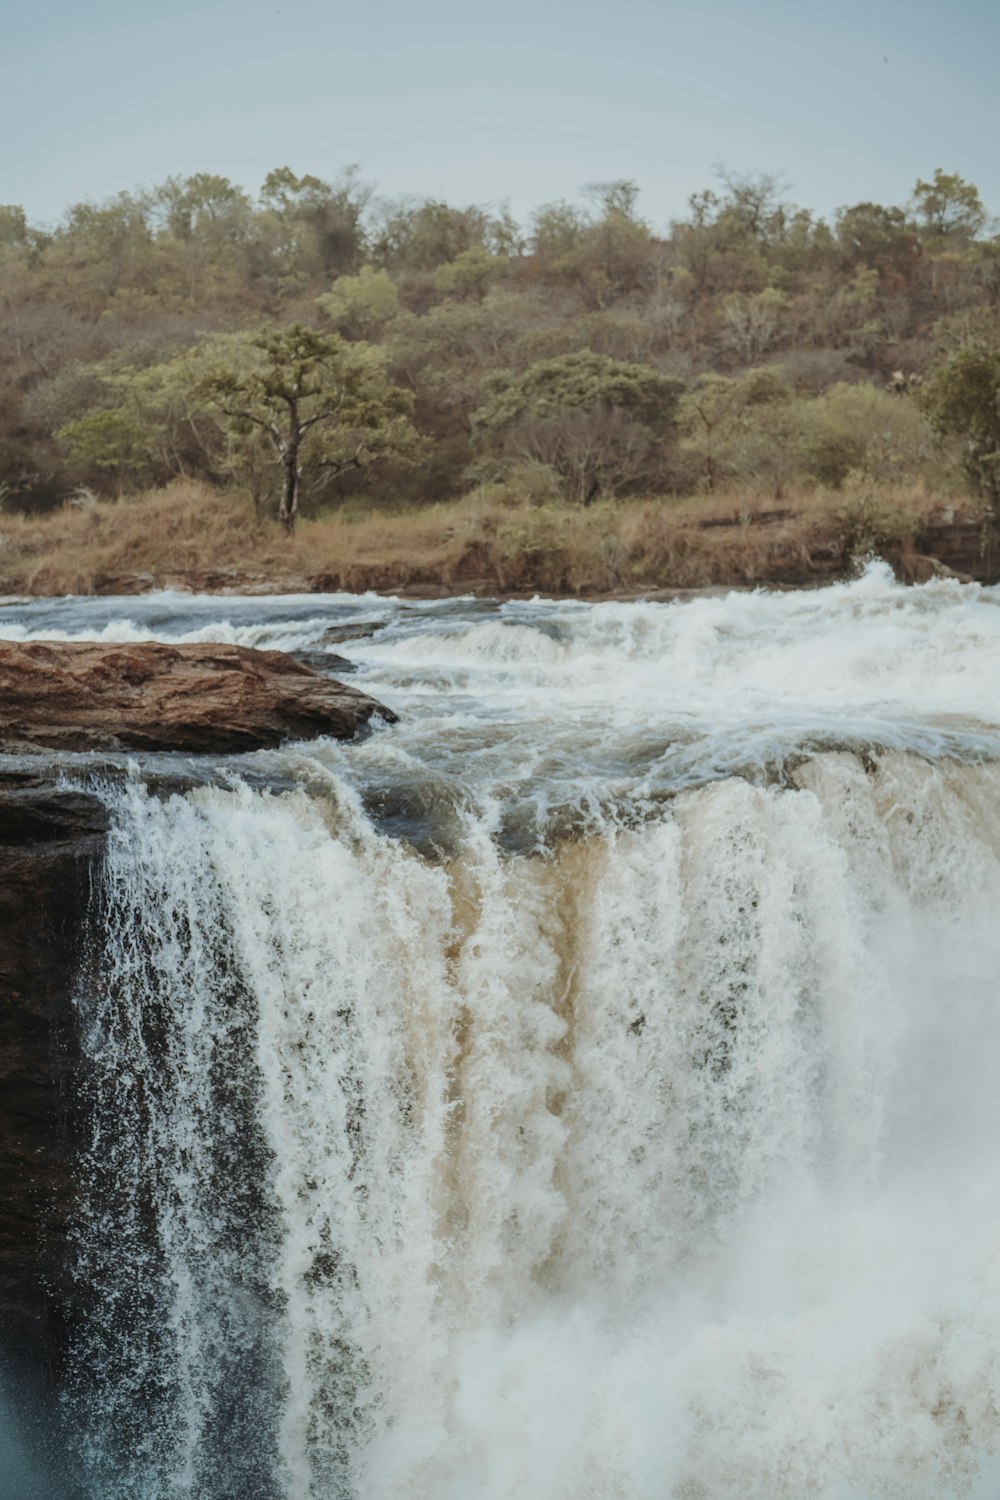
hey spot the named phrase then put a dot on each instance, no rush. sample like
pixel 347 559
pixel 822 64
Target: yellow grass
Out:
pixel 190 535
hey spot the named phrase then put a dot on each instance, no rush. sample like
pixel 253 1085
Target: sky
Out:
pixel 479 102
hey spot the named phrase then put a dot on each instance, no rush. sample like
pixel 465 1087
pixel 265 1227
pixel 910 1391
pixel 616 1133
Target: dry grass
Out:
pixel 492 541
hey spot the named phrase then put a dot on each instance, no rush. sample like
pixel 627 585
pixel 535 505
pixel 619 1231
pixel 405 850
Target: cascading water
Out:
pixel 586 1088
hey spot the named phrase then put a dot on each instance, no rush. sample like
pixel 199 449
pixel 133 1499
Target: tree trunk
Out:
pixel 289 507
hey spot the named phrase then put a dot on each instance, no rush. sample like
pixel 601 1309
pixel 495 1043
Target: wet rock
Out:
pixel 323 662
pixel 50 841
pixel 211 699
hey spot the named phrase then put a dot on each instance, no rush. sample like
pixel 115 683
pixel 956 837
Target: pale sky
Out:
pixel 525 100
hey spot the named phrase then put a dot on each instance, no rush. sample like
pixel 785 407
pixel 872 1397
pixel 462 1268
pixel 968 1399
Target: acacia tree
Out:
pixel 318 403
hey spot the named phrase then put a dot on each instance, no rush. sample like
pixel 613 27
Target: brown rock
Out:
pixel 202 698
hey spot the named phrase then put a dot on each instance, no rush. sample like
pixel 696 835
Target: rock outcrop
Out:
pixel 50 840
pixel 208 699
pixel 70 696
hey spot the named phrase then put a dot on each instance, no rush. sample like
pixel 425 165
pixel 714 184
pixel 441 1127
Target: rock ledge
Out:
pixel 206 699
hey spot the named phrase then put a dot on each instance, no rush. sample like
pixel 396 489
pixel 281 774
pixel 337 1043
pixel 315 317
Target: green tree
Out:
pixel 618 245
pixel 13 225
pixel 870 234
pixel 446 355
pixel 360 306
pixel 754 203
pixel 469 275
pixel 203 206
pixel 556 237
pixel 598 422
pixel 948 208
pixel 111 440
pixel 208 221
pixel 863 430
pixel 848 317
pixel 962 399
pixel 422 235
pixel 321 404
pixel 312 227
pixel 112 239
pixel 731 427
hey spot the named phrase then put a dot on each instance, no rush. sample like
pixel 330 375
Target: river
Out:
pixel 583 1089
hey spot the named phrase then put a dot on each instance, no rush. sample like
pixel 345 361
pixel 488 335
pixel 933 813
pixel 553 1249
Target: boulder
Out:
pixel 208 699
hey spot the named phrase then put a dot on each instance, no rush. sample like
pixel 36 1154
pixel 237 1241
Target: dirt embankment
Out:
pixel 186 537
pixel 740 554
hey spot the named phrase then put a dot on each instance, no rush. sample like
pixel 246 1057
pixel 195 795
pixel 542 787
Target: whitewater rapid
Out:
pixel 584 1088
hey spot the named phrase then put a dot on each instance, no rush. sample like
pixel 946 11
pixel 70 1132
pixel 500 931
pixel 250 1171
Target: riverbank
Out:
pixel 190 537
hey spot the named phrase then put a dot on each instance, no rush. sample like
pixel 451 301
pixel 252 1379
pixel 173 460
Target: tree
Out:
pixel 360 306
pixel 315 227
pixel 617 250
pixel 203 206
pixel 316 401
pixel 445 355
pixel 872 235
pixel 25 485
pixel 207 221
pixel 422 235
pixel 597 421
pixel 860 429
pixel 111 440
pixel 731 427
pixel 13 225
pixel 557 233
pixel 751 325
pixel 469 275
pixel 949 208
pixel 754 202
pixel 985 263
pixel 111 239
pixel 962 399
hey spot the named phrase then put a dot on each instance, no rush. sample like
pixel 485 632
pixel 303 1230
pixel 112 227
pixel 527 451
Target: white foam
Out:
pixel 659 1165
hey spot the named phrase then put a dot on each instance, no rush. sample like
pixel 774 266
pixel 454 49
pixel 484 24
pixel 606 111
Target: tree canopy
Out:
pixel 564 340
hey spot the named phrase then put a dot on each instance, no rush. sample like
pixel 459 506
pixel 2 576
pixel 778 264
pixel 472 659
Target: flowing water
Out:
pixel 587 1088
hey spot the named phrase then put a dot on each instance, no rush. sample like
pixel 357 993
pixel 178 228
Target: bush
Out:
pixel 859 428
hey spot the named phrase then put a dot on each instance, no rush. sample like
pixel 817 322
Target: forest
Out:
pixel 316 347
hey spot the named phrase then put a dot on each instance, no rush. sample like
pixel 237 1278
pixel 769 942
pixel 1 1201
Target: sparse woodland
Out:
pixel 316 348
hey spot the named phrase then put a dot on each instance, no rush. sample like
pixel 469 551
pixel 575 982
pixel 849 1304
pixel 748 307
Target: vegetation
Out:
pixel 416 352
pixel 596 422
pixel 508 536
pixel 963 398
pixel 322 405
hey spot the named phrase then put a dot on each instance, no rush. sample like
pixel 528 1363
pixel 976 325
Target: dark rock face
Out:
pixel 966 549
pixel 50 842
pixel 209 699
pixel 212 699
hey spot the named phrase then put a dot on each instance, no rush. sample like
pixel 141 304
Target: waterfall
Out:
pixel 650 1156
